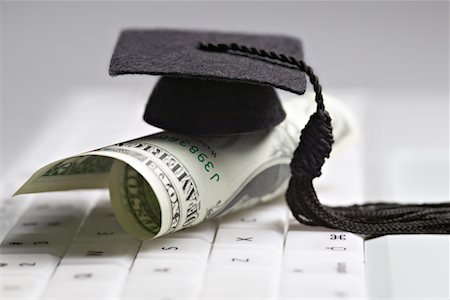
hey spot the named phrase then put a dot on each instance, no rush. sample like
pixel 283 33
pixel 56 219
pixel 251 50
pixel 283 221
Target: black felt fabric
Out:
pixel 195 106
pixel 176 53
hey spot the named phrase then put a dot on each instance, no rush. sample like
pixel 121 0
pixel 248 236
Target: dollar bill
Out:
pixel 166 182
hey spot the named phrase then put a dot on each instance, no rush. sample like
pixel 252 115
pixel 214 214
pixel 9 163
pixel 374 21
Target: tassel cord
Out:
pixel 315 146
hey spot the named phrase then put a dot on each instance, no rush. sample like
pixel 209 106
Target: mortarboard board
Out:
pixel 204 92
pixel 222 83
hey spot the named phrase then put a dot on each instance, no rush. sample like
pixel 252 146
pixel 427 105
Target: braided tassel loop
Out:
pixel 315 145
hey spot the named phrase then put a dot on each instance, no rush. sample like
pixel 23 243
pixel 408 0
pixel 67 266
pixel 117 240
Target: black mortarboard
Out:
pixel 204 92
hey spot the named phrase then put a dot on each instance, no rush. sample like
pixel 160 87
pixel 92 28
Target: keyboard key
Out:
pixel 19 201
pixel 90 273
pixel 205 231
pixel 120 254
pixel 252 238
pixel 106 230
pixel 160 288
pixel 241 257
pixel 240 283
pixel 14 206
pixel 408 266
pixel 333 243
pixel 190 269
pixel 101 225
pixel 262 217
pixel 177 247
pixel 86 281
pixel 318 264
pixel 63 203
pixel 35 243
pixel 47 223
pixel 21 287
pixel 102 211
pixel 321 286
pixel 41 265
pixel 82 290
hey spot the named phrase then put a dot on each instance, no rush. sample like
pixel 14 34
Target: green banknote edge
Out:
pixel 138 212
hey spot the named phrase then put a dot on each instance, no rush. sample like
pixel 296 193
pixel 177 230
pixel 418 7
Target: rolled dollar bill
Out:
pixel 166 182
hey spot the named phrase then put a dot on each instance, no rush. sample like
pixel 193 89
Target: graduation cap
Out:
pixel 223 83
pixel 204 92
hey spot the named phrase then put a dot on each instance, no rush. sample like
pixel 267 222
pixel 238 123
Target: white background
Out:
pixel 395 56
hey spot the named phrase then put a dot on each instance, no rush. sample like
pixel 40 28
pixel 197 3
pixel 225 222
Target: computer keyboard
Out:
pixel 69 245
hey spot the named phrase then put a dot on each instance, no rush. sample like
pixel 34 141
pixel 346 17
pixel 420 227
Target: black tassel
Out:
pixel 315 146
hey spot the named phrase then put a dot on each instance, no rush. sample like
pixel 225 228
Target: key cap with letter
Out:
pixel 39 265
pixel 120 254
pixel 326 242
pixel 176 247
pixel 90 281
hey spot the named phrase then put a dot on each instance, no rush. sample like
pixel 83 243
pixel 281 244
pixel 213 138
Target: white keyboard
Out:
pixel 69 245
